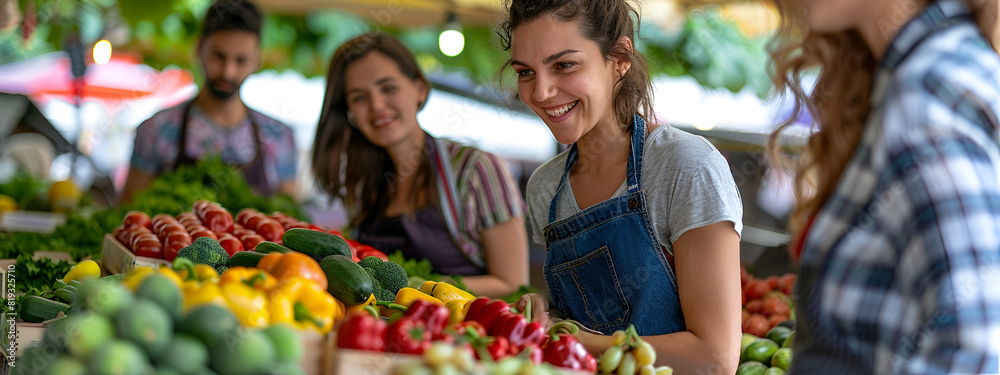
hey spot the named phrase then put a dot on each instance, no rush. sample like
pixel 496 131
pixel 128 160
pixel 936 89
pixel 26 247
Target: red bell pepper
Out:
pixel 486 311
pixel 362 331
pixel 407 336
pixel 434 316
pixel 563 350
pixel 498 348
pixel 519 329
pixel 532 352
pixel 461 328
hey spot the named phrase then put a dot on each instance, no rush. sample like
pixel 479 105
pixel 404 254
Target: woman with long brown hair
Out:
pixel 897 220
pixel 405 190
pixel 641 221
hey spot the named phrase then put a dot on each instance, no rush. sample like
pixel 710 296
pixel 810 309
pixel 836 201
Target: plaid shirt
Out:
pixel 900 270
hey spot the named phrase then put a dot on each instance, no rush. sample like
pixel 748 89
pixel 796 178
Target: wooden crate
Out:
pixel 19 333
pixel 116 258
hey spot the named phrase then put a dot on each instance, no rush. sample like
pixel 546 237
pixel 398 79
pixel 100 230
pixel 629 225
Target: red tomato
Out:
pixel 772 281
pixel 754 306
pixel 151 248
pixel 254 222
pixel 756 289
pixel 200 206
pixel 744 276
pixel 136 219
pixel 159 220
pixel 121 234
pixel 774 320
pixel 744 315
pixel 174 243
pixel 775 306
pixel 218 221
pixel 203 232
pixel 756 325
pixel 789 290
pixel 251 241
pixel 368 251
pixel 244 214
pixel 785 282
pixel 188 218
pixel 132 233
pixel 230 243
pixel 301 224
pixel 171 231
pixel 271 230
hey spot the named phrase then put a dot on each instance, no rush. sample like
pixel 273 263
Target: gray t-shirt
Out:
pixel 686 180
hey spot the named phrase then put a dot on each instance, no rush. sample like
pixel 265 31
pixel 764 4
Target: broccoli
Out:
pixel 221 270
pixel 392 276
pixel 370 262
pixel 205 250
pixel 382 295
pixel 371 273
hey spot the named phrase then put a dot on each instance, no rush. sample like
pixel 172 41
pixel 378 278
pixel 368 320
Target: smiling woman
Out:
pixel 404 190
pixel 641 222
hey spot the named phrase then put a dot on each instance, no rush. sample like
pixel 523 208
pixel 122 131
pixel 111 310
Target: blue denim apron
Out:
pixel 604 267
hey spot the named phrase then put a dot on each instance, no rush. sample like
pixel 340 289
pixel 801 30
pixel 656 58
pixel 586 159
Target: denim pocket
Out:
pixel 593 290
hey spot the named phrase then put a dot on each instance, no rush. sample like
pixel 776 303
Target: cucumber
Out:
pixel 66 294
pixel 316 244
pixel 347 281
pixel 246 258
pixel 268 247
pixel 36 309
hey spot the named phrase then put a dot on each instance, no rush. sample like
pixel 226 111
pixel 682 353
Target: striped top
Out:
pixel 485 191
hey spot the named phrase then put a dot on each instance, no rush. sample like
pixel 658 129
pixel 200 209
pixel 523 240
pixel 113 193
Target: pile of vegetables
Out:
pixel 171 193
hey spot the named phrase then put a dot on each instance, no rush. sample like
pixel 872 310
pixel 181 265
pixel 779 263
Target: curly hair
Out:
pixel 839 102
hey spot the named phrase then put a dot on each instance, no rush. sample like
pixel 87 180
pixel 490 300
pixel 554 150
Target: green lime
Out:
pixel 745 341
pixel 778 334
pixel 760 351
pixel 751 368
pixel 287 343
pixel 774 371
pixel 66 365
pixel 788 340
pixel 782 358
pixel 118 357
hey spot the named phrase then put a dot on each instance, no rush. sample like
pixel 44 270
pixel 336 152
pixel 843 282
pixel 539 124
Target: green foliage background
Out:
pixel 708 47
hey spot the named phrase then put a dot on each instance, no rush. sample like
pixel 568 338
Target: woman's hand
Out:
pixel 539 308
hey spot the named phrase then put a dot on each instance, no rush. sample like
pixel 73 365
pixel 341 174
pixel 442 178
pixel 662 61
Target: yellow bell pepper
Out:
pixel 407 295
pixel 458 308
pixel 170 274
pixel 134 278
pixel 305 305
pixel 248 304
pixel 253 277
pixel 370 302
pixel 197 294
pixel 446 292
pixel 87 269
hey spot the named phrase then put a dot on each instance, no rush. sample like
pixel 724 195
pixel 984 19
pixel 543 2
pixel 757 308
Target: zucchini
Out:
pixel 347 281
pixel 36 309
pixel 268 247
pixel 245 259
pixel 316 244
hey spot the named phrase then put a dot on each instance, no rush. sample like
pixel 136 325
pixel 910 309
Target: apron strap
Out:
pixel 633 174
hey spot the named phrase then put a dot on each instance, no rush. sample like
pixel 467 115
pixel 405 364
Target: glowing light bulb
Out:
pixel 102 52
pixel 451 42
